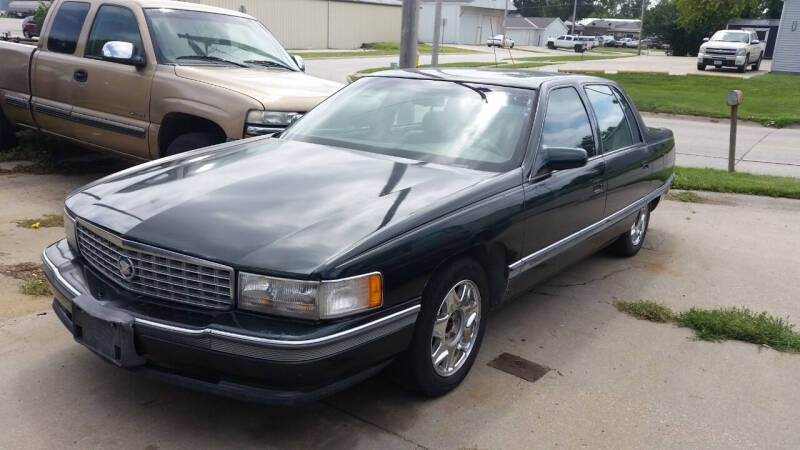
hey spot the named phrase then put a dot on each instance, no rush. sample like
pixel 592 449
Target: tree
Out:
pixel 555 8
pixel 712 15
pixel 41 13
pixel 771 9
pixel 662 21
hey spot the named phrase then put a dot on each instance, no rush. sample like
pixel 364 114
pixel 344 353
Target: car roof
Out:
pixel 527 79
pixel 172 4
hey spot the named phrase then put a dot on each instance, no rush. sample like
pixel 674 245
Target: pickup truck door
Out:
pixel 112 101
pixel 629 161
pixel 559 204
pixel 53 69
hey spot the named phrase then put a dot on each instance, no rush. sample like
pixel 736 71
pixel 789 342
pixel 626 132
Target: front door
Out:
pixel 54 68
pixel 560 204
pixel 113 101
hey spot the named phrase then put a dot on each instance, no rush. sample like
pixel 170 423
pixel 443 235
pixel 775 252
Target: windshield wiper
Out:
pixel 212 58
pixel 267 63
pixel 480 91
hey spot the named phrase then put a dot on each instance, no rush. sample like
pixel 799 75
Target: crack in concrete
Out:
pixel 593 280
pixel 754 145
pixel 368 422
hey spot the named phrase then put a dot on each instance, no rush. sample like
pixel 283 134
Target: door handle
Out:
pixel 645 166
pixel 597 188
pixel 81 76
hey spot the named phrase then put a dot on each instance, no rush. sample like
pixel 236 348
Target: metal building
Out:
pixel 786 57
pixel 309 24
pixel 534 30
pixel 463 21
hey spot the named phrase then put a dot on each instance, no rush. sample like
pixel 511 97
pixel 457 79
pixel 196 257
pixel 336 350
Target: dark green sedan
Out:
pixel 377 231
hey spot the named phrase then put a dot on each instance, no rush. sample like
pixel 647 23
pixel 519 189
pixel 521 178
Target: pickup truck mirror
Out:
pixel 123 53
pixel 562 158
pixel 755 42
pixel 301 64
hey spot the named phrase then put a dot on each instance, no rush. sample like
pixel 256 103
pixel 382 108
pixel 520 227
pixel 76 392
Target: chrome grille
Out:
pixel 157 273
pixel 720 51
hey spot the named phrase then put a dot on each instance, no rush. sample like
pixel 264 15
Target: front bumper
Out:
pixel 231 353
pixel 720 60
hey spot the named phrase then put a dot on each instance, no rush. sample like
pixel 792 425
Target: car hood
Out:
pixel 284 207
pixel 724 44
pixel 276 89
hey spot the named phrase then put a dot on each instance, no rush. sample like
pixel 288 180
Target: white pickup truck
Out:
pixel 731 48
pixel 571 41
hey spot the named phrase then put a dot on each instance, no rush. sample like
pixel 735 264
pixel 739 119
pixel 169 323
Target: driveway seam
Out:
pixel 754 145
pixel 382 428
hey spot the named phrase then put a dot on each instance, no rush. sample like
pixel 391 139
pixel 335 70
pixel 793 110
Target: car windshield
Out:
pixel 195 37
pixel 464 124
pixel 731 36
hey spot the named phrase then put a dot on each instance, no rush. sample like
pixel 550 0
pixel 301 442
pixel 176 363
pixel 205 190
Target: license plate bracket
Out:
pixel 105 331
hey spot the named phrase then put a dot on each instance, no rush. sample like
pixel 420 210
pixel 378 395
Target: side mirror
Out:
pixel 705 39
pixel 123 53
pixel 755 41
pixel 562 158
pixel 299 61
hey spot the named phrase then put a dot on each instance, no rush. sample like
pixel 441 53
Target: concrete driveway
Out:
pixel 616 382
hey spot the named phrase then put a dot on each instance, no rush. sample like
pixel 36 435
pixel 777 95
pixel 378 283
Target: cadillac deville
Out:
pixel 380 228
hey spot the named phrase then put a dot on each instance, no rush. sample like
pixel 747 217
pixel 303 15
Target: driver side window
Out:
pixel 113 23
pixel 566 123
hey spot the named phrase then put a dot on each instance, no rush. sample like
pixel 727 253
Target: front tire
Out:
pixel 191 141
pixel 551 46
pixel 449 329
pixel 743 67
pixel 630 242
pixel 701 67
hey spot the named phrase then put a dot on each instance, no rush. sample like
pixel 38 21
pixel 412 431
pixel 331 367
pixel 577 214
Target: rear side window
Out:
pixel 66 28
pixel 615 132
pixel 566 123
pixel 113 23
pixel 637 134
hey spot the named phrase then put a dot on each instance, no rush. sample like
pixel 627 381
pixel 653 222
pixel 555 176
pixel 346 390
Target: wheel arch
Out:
pixel 175 124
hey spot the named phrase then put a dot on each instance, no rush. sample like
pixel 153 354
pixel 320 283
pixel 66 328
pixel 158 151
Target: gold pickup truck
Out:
pixel 151 78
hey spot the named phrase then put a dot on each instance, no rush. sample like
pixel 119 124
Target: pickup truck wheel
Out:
pixel 757 66
pixel 8 136
pixel 630 242
pixel 191 141
pixel 701 67
pixel 449 329
pixel 743 67
pixel 551 46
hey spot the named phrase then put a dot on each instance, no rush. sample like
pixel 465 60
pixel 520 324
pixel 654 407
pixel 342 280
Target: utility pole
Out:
pixel 641 27
pixel 574 9
pixel 408 34
pixel 437 33
pixel 505 14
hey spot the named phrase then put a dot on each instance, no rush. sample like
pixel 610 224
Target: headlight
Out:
pixel 259 123
pixel 69 230
pixel 310 299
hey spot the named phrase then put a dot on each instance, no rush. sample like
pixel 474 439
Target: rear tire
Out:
pixel 757 66
pixel 8 136
pixel 447 329
pixel 191 141
pixel 630 242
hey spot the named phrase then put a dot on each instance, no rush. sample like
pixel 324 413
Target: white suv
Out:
pixel 731 48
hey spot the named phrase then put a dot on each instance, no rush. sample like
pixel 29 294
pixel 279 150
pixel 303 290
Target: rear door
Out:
pixel 629 162
pixel 112 102
pixel 55 67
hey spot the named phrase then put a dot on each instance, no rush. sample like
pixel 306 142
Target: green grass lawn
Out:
pixel 772 99
pixel 690 178
pixel 379 49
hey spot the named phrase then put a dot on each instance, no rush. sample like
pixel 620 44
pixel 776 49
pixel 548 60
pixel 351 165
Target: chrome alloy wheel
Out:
pixel 639 226
pixel 455 329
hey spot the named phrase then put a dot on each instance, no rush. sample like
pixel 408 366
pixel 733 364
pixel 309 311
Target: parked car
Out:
pixel 500 41
pixel 152 79
pixel 564 41
pixel 589 41
pixel 731 48
pixel 611 43
pixel 629 43
pixel 30 29
pixel 25 8
pixel 383 226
